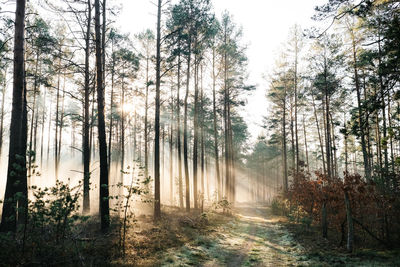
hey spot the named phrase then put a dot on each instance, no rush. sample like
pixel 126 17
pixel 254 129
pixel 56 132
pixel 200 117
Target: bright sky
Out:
pixel 265 25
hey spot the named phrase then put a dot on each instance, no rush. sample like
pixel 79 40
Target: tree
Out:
pixel 233 68
pixel 146 40
pixel 86 124
pixel 326 63
pixel 189 21
pixel 157 199
pixel 278 95
pixel 104 194
pixel 16 188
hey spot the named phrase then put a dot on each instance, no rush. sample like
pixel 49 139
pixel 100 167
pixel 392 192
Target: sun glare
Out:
pixel 128 108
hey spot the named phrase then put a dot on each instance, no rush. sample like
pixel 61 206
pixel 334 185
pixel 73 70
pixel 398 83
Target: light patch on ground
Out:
pixel 253 238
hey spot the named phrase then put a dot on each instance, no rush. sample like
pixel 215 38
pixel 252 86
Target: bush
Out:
pixel 374 210
pixel 278 206
pixel 52 216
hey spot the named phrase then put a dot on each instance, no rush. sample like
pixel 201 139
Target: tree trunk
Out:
pixel 112 107
pixel 360 113
pixel 16 172
pixel 195 130
pixel 171 138
pixel 57 121
pixel 42 129
pixel 86 145
pixel 201 113
pixel 185 131
pixel 178 135
pixel 305 143
pixel 61 126
pixel 122 136
pixel 295 109
pixel 292 140
pixel 146 124
pixel 157 204
pixel 327 125
pixel 384 127
pixel 217 170
pixel 104 194
pixel 319 135
pixel 284 146
pixel 31 154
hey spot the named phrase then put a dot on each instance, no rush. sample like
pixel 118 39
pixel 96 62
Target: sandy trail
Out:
pixel 255 238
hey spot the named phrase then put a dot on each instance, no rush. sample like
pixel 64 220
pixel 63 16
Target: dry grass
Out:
pixel 147 241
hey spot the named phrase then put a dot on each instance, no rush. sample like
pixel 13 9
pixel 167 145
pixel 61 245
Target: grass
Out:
pixel 325 252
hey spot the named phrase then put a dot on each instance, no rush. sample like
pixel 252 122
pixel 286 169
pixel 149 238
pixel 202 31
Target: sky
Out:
pixel 265 24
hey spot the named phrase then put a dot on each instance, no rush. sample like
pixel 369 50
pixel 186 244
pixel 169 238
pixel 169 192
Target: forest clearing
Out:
pixel 199 133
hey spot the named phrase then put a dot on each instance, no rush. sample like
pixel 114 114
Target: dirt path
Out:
pixel 254 238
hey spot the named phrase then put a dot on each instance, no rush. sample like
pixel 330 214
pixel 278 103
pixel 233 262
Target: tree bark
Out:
pixel 319 135
pixel 195 130
pixel 185 130
pixel 104 193
pixel 171 138
pixel 216 153
pixel 17 156
pixel 360 112
pixel 86 145
pixel 178 134
pixel 157 200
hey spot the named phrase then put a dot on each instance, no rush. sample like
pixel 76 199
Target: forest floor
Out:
pixel 250 237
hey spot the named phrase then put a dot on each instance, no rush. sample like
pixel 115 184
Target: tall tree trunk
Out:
pixel 333 154
pixel 112 107
pixel 295 107
pixel 391 136
pixel 178 134
pixel 360 112
pixel 378 144
pixel 86 144
pixel 327 124
pixel 92 144
pixel 122 135
pixel 185 131
pixel 157 200
pixel 146 123
pixel 49 133
pixel 382 92
pixel 61 126
pixel 232 156
pixel 284 146
pixel 171 138
pixel 226 123
pixel 57 120
pixel 22 200
pixel 216 155
pixel 16 172
pixel 292 139
pixel 104 194
pixel 42 129
pixel 31 154
pixel 201 113
pixel 319 135
pixel 195 130
pixel 305 143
